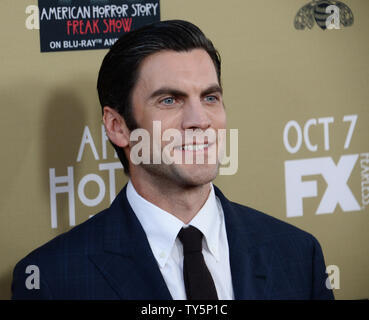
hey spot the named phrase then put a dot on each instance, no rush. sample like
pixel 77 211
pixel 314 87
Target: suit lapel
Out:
pixel 127 262
pixel 249 260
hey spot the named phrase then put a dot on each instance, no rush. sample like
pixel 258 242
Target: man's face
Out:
pixel 182 92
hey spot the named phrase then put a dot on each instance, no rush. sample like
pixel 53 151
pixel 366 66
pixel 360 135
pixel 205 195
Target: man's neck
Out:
pixel 182 202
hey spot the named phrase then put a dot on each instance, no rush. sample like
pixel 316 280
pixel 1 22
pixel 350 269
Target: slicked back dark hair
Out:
pixel 120 68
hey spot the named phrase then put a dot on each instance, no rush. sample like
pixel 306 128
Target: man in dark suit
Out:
pixel 170 233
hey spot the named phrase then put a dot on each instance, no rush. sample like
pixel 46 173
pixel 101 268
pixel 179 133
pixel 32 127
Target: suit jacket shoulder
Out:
pixel 106 257
pixel 267 228
pixel 57 260
pixel 272 259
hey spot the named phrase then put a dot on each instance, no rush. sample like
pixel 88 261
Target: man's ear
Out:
pixel 115 127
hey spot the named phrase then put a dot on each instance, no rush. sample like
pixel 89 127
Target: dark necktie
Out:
pixel 198 281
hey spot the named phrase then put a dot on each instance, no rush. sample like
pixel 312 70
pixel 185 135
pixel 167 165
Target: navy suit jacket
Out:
pixel 109 257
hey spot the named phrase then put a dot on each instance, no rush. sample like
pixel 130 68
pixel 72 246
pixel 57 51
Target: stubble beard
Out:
pixel 181 175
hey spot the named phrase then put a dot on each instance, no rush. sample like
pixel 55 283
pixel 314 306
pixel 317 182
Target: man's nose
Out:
pixel 195 116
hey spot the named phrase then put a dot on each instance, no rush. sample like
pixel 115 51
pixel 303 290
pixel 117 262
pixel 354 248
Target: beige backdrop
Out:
pixel 272 74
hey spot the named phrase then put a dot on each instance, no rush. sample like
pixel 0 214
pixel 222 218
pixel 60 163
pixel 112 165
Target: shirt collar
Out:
pixel 162 228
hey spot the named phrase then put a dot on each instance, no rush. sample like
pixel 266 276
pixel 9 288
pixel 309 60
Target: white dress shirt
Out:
pixel 162 228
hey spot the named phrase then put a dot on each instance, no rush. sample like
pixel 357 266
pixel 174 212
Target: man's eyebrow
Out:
pixel 178 93
pixel 212 89
pixel 168 91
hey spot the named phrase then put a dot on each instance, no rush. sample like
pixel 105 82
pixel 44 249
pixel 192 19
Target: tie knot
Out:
pixel 191 239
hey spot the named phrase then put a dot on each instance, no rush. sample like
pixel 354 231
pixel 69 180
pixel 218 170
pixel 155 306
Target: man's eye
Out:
pixel 168 101
pixel 211 99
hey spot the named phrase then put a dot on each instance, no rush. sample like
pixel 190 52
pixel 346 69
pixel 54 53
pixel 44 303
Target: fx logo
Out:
pixel 336 177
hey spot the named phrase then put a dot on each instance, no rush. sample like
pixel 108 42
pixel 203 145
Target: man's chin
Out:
pixel 196 174
pixel 182 175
